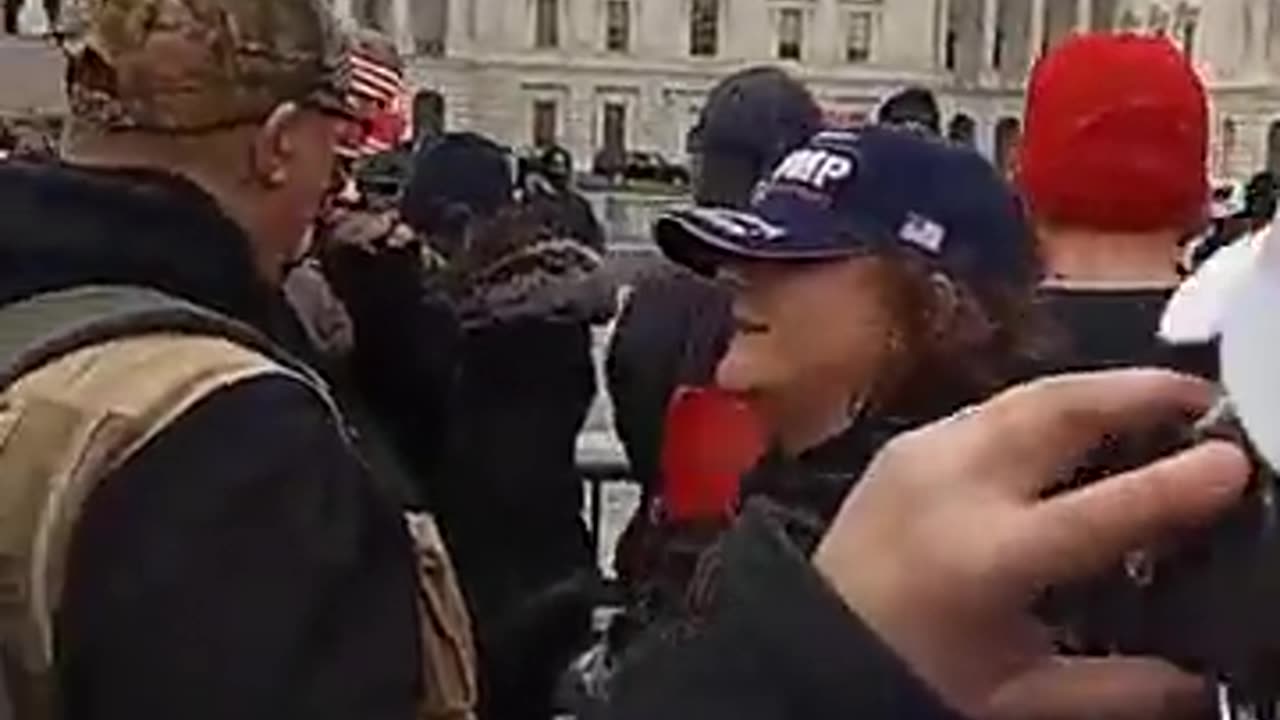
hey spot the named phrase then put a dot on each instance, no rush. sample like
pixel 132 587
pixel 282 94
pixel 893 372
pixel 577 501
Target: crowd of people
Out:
pixel 289 428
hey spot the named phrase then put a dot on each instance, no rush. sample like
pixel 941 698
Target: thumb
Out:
pixel 1101 688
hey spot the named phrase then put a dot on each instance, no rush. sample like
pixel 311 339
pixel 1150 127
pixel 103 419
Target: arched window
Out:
pixel 1007 135
pixel 962 129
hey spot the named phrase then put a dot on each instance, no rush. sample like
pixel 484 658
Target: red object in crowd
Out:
pixel 1116 136
pixel 379 92
pixel 711 439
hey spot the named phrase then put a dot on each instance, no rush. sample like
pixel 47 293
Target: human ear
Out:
pixel 946 303
pixel 274 145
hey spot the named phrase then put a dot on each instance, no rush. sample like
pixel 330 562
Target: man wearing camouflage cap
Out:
pixel 203 542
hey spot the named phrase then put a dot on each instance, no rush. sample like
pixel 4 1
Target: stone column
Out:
pixel 827 28
pixel 1259 11
pixel 343 9
pixel 1037 32
pixel 457 30
pixel 941 15
pixel 990 22
pixel 401 30
pixel 1084 15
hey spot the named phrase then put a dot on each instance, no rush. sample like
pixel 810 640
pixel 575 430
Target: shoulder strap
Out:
pixel 87 377
pixel 42 328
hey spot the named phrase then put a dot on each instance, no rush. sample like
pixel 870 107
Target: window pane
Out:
pixel 704 28
pixel 374 14
pixel 548 24
pixel 858 43
pixel 615 126
pixel 790 34
pixel 544 122
pixel 430 20
pixel 618 26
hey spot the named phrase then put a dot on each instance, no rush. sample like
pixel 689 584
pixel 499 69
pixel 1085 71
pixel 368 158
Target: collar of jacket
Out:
pixel 62 226
pixel 815 483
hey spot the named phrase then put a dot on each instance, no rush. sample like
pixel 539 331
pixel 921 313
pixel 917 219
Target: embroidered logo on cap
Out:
pixel 814 168
pixel 924 233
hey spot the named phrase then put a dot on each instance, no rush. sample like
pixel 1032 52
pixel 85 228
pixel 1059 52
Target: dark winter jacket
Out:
pixel 777 645
pixel 242 564
pixel 399 378
pixel 1096 329
pixel 510 499
pixel 673 332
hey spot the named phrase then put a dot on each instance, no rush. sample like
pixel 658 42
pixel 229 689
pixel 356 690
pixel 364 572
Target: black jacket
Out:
pixel 673 332
pixel 512 502
pixel 777 645
pixel 242 564
pixel 1097 329
pixel 398 382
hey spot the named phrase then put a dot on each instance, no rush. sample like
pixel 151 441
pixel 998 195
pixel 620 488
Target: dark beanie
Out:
pixel 750 121
pixel 456 177
pixel 913 106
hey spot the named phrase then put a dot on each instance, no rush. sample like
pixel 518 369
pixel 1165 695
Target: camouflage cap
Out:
pixel 188 66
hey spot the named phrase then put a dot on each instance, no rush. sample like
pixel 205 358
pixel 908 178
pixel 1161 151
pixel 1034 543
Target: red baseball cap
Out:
pixel 1116 136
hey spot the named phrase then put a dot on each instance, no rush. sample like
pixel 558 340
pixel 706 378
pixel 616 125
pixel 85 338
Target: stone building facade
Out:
pixel 593 73
pixel 590 74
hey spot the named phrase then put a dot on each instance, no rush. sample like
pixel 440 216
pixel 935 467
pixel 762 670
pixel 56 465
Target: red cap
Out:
pixel 1116 136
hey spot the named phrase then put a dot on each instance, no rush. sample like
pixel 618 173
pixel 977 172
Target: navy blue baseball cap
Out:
pixel 867 191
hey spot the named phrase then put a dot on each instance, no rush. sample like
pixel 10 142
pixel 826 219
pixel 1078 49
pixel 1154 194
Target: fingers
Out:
pixel 1084 532
pixel 1097 688
pixel 1051 423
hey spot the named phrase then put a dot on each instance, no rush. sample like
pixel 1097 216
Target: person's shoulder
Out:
pixel 267 456
pixel 265 424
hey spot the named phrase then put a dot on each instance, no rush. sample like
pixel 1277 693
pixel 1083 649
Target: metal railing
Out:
pixel 596 475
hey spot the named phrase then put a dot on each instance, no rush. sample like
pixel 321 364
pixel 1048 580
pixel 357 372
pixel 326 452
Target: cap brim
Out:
pixel 704 238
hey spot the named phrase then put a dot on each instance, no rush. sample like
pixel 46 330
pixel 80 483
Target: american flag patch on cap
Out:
pixel 378 89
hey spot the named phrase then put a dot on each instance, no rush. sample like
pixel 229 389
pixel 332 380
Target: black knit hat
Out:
pixel 457 177
pixel 750 121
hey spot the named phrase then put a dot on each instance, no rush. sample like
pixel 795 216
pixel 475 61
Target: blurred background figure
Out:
pixel 510 498
pixel 1236 210
pixel 550 171
pixel 913 107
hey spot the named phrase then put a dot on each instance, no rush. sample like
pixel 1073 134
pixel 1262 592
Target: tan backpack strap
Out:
pixel 47 326
pixel 448 647
pixel 115 397
pixel 87 377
